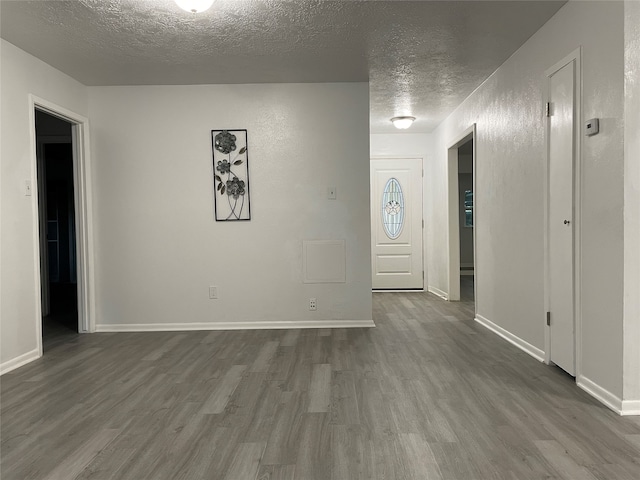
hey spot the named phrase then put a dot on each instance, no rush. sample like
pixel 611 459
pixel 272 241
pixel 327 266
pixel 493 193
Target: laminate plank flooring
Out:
pixel 427 394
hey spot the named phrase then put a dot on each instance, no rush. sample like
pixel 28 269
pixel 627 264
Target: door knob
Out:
pixel 567 222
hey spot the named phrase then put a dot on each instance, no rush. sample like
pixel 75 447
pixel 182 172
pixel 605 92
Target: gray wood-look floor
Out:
pixel 428 394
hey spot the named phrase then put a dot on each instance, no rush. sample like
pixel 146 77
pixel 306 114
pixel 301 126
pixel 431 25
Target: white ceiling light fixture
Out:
pixel 194 6
pixel 402 122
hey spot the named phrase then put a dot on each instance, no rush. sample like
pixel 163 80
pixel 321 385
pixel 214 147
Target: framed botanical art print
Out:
pixel 230 175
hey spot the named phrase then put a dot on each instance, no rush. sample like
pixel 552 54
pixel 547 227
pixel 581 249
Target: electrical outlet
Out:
pixel 312 304
pixel 213 292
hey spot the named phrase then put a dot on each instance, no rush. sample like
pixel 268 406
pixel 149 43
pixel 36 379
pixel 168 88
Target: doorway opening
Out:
pixel 57 220
pixel 462 268
pixel 466 218
pixel 72 238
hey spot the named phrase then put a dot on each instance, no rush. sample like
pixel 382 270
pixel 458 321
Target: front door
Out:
pixel 396 224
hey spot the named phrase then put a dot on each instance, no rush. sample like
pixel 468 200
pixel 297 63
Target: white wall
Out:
pixel 158 247
pixel 509 198
pixel 411 145
pixel 407 145
pixel 21 75
pixel 632 206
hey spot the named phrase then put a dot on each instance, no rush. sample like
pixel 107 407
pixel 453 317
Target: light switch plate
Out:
pixel 331 193
pixel 592 127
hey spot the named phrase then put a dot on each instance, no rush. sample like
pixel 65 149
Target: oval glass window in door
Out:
pixel 392 209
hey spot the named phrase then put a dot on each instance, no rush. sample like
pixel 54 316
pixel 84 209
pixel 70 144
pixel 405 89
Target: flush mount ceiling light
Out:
pixel 194 6
pixel 402 122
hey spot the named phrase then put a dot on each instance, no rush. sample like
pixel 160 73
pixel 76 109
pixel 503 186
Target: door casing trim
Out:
pixel 83 213
pixel 453 207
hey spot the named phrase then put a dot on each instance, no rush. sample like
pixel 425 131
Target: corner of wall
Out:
pixel 631 294
pixel 19 361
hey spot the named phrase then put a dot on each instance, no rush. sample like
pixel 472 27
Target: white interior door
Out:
pixel 561 224
pixel 396 223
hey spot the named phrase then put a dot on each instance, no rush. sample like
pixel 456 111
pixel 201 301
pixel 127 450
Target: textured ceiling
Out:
pixel 422 58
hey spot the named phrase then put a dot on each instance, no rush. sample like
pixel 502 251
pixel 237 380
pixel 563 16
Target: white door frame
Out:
pixel 424 237
pixel 83 212
pixel 453 206
pixel 574 56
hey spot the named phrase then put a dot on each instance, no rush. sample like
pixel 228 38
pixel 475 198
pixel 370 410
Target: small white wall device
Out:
pixel 592 127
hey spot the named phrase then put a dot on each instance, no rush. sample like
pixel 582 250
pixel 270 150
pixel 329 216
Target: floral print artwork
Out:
pixel 231 175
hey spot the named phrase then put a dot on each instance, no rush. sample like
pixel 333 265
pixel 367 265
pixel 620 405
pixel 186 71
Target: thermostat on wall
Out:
pixel 592 127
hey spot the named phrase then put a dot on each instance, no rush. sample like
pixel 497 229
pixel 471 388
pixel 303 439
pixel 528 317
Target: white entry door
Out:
pixel 561 221
pixel 396 223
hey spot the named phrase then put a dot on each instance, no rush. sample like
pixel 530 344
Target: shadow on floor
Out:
pixel 62 321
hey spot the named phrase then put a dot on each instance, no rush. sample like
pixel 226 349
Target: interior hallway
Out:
pixel 426 394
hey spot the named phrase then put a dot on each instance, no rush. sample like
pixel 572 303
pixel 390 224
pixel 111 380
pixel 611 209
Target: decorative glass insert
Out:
pixel 392 209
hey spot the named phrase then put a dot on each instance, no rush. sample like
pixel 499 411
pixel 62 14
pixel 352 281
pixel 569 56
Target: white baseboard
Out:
pixel 408 290
pixel 526 347
pixel 438 292
pixel 179 327
pixel 19 361
pixel 630 407
pixel 600 393
pixel 621 407
pixel 627 407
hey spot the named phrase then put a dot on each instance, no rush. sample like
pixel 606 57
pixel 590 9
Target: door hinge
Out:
pixel 548 318
pixel 423 223
pixel 423 275
pixel 547 109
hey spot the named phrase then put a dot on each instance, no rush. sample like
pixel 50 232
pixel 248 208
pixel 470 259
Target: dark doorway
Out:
pixel 57 226
pixel 467 217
